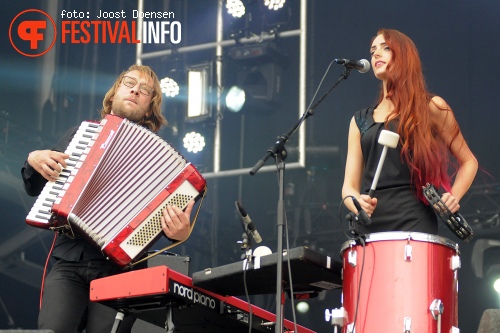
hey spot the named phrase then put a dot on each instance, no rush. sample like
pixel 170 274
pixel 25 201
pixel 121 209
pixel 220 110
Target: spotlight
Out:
pixel 235 99
pixel 235 8
pixel 257 70
pixel 256 17
pixel 496 285
pixel 169 87
pixel 493 273
pixel 244 18
pixel 274 4
pixel 302 307
pixel 199 90
pixel 277 17
pixel 258 88
pixel 194 142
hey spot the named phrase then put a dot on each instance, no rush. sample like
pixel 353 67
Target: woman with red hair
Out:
pixel 430 141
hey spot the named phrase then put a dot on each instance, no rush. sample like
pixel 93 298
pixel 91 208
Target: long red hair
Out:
pixel 422 148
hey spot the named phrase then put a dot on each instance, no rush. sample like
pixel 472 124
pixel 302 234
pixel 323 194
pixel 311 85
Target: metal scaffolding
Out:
pixel 218 45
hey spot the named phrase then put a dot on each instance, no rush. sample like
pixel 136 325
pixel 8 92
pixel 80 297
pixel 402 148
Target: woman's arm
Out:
pixel 445 122
pixel 354 172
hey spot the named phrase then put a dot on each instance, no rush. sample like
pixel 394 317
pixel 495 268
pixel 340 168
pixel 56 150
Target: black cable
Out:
pixel 348 236
pixel 290 274
pixel 359 284
pixel 250 311
pixel 355 238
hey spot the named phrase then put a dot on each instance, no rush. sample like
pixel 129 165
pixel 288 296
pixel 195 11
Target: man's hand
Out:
pixel 48 163
pixel 175 223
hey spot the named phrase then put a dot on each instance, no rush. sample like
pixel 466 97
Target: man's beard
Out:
pixel 120 110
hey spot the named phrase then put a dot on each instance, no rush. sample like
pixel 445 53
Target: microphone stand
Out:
pixel 279 153
pixel 10 321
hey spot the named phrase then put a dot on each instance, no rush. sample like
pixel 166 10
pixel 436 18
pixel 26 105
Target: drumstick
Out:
pixel 387 139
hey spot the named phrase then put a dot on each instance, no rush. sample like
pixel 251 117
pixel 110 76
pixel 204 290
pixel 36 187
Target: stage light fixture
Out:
pixel 235 99
pixel 235 8
pixel 302 307
pixel 244 18
pixel 258 73
pixel 274 4
pixel 496 285
pixel 277 17
pixel 169 87
pixel 194 142
pixel 248 18
pixel 493 271
pixel 199 92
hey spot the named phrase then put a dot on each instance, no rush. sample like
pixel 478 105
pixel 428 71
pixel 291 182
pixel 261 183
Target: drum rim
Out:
pixel 403 235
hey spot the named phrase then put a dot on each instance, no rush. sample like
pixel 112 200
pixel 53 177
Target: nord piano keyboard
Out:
pixel 312 272
pixel 168 299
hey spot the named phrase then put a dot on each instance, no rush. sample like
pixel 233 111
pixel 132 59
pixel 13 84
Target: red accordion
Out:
pixel 119 179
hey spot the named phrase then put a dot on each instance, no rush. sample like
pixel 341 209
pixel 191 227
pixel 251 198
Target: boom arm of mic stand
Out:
pixel 279 145
pixel 343 76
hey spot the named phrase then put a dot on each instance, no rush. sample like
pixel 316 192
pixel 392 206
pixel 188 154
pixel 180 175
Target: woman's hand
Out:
pixel 450 201
pixel 368 204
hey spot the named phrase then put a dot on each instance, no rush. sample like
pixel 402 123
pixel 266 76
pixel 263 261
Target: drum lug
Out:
pixel 408 252
pixel 436 308
pixel 407 325
pixel 350 328
pixel 454 330
pixel 337 317
pixel 455 262
pixel 352 258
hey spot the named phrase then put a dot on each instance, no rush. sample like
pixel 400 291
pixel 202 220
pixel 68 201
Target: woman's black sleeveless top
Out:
pixel 398 208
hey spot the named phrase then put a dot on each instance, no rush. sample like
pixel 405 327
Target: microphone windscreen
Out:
pixel 366 66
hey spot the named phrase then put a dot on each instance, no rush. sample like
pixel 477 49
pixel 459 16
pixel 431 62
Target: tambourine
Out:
pixel 454 221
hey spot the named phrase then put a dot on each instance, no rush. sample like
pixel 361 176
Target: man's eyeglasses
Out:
pixel 130 82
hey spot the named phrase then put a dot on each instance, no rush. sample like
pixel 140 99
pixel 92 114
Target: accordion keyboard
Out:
pixel 40 214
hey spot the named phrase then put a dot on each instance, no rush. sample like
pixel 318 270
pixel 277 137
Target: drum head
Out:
pixel 401 235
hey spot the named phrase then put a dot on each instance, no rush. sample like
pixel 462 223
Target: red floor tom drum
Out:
pixel 400 282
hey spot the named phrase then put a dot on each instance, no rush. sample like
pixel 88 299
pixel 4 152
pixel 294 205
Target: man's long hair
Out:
pixel 422 148
pixel 155 120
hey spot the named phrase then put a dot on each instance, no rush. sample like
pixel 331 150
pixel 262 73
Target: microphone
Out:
pixel 362 216
pixel 387 139
pixel 362 65
pixel 247 221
